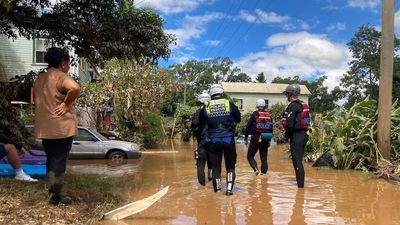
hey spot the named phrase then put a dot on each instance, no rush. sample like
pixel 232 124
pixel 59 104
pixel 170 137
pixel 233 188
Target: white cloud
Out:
pixel 363 4
pixel 262 17
pixel 270 17
pixel 301 54
pixel 193 27
pixel 173 6
pixel 336 27
pixel 212 42
pixel 246 16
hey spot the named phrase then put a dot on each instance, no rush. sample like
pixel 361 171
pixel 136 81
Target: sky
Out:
pixel 307 38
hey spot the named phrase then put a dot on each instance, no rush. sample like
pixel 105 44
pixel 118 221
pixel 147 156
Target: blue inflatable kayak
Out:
pixel 35 171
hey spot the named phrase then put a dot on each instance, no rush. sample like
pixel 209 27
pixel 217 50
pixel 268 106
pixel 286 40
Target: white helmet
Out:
pixel 260 103
pixel 216 89
pixel 204 97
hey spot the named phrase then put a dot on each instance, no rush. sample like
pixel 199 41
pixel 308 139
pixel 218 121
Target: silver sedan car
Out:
pixel 90 144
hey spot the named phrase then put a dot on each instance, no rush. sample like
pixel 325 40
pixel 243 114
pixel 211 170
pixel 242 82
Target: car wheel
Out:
pixel 116 155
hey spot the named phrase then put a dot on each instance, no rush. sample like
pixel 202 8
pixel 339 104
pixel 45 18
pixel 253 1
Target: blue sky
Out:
pixel 280 38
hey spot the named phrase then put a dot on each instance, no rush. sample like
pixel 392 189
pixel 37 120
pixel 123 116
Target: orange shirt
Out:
pixel 47 97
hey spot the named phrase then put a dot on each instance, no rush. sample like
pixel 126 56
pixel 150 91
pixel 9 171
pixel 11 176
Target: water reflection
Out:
pixel 298 217
pixel 330 196
pixel 105 167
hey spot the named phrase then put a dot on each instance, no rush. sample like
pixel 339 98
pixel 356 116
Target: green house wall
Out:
pixel 249 99
pixel 17 57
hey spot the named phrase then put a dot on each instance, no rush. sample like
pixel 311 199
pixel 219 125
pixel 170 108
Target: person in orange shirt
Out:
pixel 55 93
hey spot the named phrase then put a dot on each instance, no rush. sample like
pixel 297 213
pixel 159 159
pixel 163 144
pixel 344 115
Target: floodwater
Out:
pixel 330 196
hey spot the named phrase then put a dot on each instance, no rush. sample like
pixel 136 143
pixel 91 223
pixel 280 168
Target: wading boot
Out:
pixel 209 174
pixel 55 188
pixel 217 184
pixel 60 199
pixel 228 193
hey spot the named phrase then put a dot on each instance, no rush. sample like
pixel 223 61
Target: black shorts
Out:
pixel 3 152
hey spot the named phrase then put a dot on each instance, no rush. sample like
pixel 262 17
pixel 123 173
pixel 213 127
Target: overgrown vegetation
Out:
pixel 11 123
pixel 135 89
pixel 350 136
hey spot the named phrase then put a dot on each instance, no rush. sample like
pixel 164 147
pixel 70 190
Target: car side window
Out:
pixel 84 135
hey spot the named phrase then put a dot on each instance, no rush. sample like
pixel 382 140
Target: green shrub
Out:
pixel 241 127
pixel 277 111
pixel 152 129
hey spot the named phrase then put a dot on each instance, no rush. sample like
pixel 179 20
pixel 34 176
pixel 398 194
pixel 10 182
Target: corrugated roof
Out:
pixel 241 87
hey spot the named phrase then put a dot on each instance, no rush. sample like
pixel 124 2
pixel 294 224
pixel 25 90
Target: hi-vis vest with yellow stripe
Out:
pixel 218 108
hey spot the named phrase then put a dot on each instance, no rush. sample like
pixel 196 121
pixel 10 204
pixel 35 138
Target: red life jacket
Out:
pixel 264 122
pixel 305 119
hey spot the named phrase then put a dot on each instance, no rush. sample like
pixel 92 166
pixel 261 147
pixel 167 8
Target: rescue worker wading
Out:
pixel 220 116
pixel 260 127
pixel 201 152
pixel 296 122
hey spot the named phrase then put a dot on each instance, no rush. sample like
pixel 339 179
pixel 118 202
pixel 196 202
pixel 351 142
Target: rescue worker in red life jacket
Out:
pixel 201 152
pixel 221 116
pixel 296 122
pixel 260 127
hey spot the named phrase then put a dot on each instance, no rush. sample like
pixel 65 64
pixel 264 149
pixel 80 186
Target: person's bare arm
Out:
pixel 72 88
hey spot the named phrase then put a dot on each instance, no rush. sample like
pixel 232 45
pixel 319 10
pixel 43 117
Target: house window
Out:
pixel 239 103
pixel 40 50
pixel 266 103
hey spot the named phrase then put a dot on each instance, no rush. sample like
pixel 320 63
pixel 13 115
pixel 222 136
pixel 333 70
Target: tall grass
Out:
pixel 350 136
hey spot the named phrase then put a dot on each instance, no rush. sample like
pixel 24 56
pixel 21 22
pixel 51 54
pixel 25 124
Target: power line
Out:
pixel 220 32
pixel 247 31
pixel 235 32
pixel 138 3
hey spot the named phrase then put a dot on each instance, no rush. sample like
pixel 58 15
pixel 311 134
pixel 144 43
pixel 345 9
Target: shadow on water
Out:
pixel 330 196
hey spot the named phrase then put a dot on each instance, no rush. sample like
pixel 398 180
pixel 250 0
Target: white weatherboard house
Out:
pixel 20 56
pixel 246 94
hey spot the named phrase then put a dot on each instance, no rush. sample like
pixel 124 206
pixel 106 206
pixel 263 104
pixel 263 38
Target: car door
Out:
pixel 85 145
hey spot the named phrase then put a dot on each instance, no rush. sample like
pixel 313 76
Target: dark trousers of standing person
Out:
pixel 297 146
pixel 228 150
pixel 261 146
pixel 57 153
pixel 202 159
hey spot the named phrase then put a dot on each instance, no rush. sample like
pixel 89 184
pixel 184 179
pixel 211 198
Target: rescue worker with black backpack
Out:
pixel 296 122
pixel 260 126
pixel 201 153
pixel 221 116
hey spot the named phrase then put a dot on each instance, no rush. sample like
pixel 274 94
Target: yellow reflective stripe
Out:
pixel 217 102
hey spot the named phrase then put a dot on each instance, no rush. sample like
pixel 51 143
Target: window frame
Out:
pixel 36 51
pixel 236 101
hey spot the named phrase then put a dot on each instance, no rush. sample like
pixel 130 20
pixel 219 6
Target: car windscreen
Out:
pixel 101 137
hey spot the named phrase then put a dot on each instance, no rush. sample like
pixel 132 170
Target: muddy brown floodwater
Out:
pixel 330 196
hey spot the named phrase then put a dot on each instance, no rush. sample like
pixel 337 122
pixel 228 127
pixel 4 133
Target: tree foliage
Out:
pixel 197 76
pixel 135 89
pixel 97 30
pixel 362 77
pixel 320 100
pixel 261 78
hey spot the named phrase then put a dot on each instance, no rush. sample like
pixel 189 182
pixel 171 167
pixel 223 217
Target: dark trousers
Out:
pixel 57 152
pixel 297 146
pixel 262 147
pixel 228 150
pixel 202 160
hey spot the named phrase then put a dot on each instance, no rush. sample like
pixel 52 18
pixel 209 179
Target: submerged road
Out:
pixel 329 197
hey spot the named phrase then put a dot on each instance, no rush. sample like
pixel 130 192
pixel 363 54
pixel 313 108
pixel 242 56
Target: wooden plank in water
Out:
pixel 135 207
